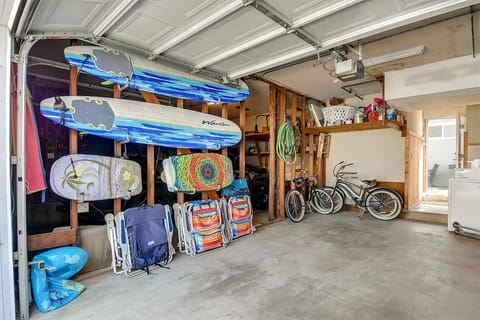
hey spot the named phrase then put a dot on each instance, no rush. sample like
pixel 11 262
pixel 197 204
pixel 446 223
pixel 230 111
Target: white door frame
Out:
pixel 7 296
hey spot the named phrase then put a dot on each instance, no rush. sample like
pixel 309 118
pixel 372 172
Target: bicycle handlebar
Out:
pixel 339 167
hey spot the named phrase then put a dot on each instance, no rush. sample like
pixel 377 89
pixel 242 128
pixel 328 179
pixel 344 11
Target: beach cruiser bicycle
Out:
pixel 381 203
pixel 306 195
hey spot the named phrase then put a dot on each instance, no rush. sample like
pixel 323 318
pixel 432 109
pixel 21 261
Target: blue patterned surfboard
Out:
pixel 139 73
pixel 141 122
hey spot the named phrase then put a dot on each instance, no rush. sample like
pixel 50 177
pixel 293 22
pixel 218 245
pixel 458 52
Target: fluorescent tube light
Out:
pixel 117 12
pixel 198 26
pixel 397 55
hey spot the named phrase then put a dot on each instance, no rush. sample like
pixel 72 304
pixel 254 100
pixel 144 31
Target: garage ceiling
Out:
pixel 278 39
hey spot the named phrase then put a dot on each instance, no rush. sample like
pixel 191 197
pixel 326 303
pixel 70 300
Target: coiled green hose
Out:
pixel 287 142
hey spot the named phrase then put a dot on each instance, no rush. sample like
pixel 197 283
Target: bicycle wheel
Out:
pixel 337 198
pixel 321 201
pixel 295 205
pixel 383 204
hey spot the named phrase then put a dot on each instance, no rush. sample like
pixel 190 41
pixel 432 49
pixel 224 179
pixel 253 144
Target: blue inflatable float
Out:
pixel 50 273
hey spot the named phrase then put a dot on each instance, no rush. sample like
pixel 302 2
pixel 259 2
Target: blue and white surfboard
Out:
pixel 141 122
pixel 142 74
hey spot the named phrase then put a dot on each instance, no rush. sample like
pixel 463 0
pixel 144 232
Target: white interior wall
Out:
pixel 376 154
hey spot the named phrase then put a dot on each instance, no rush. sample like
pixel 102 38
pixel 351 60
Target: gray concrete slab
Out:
pixel 326 267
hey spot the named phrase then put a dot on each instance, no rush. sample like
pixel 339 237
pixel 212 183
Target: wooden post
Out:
pixel 151 98
pixel 180 195
pixel 271 156
pixel 204 110
pixel 73 146
pixel 225 116
pixel 303 138
pixel 293 113
pixel 281 164
pixel 242 144
pixel 117 152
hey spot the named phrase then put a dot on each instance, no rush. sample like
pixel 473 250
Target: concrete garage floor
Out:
pixel 326 267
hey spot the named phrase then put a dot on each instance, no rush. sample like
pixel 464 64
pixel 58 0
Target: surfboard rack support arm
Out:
pixel 127 197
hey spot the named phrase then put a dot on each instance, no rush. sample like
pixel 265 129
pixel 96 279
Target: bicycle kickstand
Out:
pixel 362 212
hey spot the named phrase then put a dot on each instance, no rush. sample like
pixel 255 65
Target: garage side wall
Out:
pixel 376 154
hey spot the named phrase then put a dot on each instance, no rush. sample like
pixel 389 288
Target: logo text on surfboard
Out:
pixel 215 123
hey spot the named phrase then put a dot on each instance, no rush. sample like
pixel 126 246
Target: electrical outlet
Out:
pixel 82 207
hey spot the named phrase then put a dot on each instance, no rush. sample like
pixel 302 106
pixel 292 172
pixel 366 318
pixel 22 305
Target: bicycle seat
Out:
pixel 298 180
pixel 369 183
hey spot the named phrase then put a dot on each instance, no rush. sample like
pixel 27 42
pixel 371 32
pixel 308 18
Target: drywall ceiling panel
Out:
pixel 240 28
pixel 69 15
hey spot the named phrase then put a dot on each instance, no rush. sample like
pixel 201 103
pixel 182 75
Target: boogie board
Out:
pixel 198 172
pixel 86 177
pixel 142 74
pixel 50 272
pixel 141 122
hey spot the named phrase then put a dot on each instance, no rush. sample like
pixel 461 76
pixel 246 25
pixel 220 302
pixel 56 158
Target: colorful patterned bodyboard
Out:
pixel 142 122
pixel 198 172
pixel 86 177
pixel 139 73
pixel 50 272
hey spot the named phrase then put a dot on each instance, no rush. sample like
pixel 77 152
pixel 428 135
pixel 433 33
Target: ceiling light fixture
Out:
pixel 198 26
pixel 115 13
pixel 396 55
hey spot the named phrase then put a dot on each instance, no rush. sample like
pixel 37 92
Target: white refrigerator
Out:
pixel 464 203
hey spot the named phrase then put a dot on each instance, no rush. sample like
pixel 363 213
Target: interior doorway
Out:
pixel 440 158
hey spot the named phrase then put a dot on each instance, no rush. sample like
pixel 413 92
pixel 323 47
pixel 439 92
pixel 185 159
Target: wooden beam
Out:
pixel 271 156
pixel 225 116
pixel 204 110
pixel 303 107
pixel 242 144
pixel 117 152
pixel 151 98
pixel 282 103
pixel 150 174
pixel 180 195
pixel 51 239
pixel 73 145
pixel 293 113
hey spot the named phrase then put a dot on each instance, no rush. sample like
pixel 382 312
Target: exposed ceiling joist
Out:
pixel 389 23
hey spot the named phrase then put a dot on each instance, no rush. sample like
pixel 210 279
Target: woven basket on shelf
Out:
pixel 337 113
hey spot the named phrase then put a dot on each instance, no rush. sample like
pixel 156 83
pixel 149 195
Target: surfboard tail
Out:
pixel 35 177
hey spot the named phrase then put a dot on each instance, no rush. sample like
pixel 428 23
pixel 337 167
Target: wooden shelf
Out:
pixel 356 127
pixel 263 136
